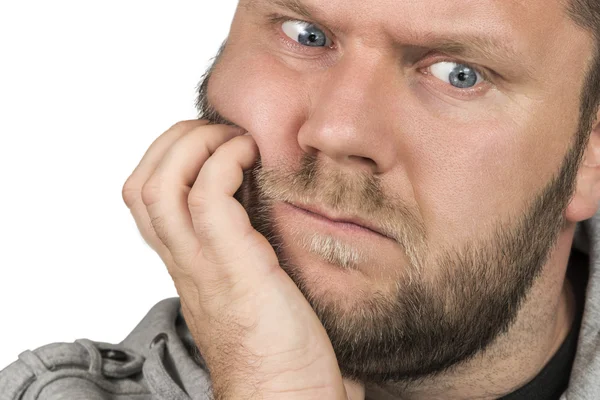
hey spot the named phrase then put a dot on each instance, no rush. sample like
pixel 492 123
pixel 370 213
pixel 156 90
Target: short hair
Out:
pixel 586 14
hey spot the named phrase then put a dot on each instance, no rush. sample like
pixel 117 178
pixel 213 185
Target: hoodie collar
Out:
pixel 168 363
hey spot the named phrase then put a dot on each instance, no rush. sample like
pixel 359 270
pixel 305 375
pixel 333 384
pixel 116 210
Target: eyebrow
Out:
pixel 295 6
pixel 464 44
pixel 470 46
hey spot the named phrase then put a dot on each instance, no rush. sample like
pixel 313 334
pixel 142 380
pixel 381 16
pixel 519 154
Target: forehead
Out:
pixel 529 39
pixel 412 20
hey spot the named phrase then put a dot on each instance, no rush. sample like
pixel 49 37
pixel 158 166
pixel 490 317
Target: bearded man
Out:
pixel 381 200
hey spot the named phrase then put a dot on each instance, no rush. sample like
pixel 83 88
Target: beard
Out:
pixel 423 326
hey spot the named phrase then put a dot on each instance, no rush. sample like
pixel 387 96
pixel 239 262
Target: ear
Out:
pixel 586 199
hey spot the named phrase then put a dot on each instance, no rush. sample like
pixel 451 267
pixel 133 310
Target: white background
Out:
pixel 85 87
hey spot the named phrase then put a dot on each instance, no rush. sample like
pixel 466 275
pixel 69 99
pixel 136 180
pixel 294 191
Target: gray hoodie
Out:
pixel 154 363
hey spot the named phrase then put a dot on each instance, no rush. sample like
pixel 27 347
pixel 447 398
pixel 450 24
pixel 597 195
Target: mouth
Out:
pixel 348 223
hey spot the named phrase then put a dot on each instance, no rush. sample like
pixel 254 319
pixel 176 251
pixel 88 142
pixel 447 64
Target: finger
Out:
pixel 220 221
pixel 133 185
pixel 132 189
pixel 144 226
pixel 166 191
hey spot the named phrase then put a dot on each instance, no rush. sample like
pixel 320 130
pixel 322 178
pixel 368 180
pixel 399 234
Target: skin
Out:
pixel 464 161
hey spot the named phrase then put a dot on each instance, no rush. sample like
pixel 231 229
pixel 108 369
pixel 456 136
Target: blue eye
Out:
pixel 305 33
pixel 460 76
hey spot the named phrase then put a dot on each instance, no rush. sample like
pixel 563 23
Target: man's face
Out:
pixel 448 126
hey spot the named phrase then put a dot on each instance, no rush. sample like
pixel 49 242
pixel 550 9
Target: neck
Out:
pixel 515 357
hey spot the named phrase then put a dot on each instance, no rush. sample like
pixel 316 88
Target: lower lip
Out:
pixel 287 210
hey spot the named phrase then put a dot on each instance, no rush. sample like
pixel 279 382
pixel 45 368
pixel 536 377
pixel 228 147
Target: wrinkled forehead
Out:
pixel 531 40
pixel 398 15
pixel 525 25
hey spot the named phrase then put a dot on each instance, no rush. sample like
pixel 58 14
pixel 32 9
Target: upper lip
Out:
pixel 336 217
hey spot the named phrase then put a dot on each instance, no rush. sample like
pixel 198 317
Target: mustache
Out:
pixel 358 193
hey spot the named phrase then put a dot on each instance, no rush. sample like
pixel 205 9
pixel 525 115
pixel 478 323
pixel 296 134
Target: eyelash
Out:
pixel 433 58
pixel 275 20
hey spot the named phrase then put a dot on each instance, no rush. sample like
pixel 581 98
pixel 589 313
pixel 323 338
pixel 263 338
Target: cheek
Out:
pixel 243 90
pixel 468 176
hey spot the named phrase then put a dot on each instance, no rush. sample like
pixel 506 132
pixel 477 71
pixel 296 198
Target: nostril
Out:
pixel 365 161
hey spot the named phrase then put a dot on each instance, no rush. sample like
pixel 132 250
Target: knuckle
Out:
pixel 151 192
pixel 130 194
pixel 181 125
pixel 206 233
pixel 198 203
pixel 187 125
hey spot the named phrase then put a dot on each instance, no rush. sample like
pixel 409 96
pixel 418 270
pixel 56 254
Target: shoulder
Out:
pixel 83 369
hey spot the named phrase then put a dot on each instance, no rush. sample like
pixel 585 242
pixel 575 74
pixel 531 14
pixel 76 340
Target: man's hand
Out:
pixel 257 333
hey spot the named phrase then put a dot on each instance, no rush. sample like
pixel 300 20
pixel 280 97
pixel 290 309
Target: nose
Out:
pixel 349 121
